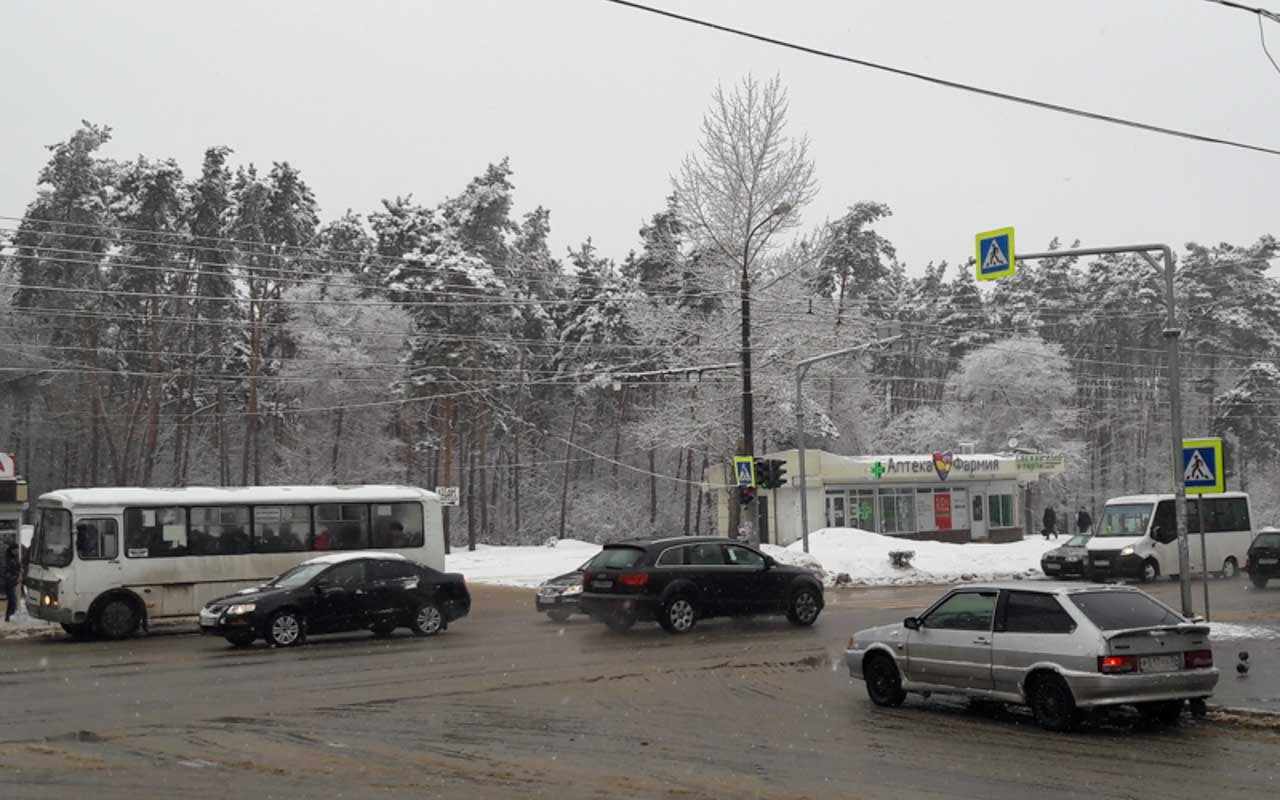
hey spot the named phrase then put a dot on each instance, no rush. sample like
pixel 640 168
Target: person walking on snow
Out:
pixel 1083 521
pixel 10 569
pixel 1050 522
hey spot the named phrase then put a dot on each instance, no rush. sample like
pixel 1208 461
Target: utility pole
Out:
pixel 1171 333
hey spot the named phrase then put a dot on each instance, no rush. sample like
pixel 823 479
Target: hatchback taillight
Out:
pixel 1197 659
pixel 633 579
pixel 1117 665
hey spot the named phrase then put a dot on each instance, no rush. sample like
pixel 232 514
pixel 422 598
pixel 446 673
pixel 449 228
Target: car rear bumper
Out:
pixel 605 605
pixel 1105 690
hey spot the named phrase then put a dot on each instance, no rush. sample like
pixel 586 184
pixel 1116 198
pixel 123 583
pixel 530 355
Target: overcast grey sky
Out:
pixel 596 104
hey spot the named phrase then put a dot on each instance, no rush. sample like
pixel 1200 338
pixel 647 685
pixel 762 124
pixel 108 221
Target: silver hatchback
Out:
pixel 1058 648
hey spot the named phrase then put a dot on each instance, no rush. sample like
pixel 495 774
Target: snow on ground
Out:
pixel 1226 631
pixel 519 566
pixel 22 625
pixel 864 556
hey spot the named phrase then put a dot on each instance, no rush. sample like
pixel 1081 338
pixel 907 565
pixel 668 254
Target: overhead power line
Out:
pixel 1262 33
pixel 950 84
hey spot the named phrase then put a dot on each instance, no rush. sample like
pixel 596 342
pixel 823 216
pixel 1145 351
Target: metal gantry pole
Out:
pixel 1171 333
pixel 802 367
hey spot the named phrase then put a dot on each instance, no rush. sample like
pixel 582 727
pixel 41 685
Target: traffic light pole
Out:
pixel 1171 333
pixel 802 367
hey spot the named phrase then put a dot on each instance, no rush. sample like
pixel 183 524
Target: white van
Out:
pixel 1138 536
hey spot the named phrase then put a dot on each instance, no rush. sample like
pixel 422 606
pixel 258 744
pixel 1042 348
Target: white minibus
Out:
pixel 1138 538
pixel 108 560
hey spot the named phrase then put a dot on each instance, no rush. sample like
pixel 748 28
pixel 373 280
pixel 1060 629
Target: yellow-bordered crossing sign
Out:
pixel 1203 471
pixel 995 254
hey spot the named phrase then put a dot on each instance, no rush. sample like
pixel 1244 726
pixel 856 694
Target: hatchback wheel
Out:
pixel 804 608
pixel 285 629
pixel 1052 704
pixel 884 682
pixel 1164 713
pixel 1230 569
pixel 428 620
pixel 678 615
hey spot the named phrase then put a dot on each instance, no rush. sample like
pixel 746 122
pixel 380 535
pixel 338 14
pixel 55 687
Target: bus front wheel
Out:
pixel 116 618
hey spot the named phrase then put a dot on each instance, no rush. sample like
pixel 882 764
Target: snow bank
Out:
pixel 23 625
pixel 519 566
pixel 1226 631
pixel 864 556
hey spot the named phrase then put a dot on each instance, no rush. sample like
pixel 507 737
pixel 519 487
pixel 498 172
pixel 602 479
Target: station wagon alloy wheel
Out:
pixel 804 608
pixel 681 615
pixel 285 629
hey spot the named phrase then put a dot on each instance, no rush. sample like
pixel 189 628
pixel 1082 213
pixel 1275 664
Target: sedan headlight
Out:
pixel 1128 551
pixel 574 589
pixel 242 608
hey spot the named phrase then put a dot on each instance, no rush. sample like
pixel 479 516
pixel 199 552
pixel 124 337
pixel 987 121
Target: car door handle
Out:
pixel 982 640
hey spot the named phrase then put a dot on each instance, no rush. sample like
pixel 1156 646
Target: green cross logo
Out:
pixel 877 469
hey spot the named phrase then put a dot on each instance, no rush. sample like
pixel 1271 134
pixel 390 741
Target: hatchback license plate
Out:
pixel 1160 663
pixel 1102 563
pixel 602 584
pixel 1268 560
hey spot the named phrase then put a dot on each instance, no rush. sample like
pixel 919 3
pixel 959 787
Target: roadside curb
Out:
pixel 1245 717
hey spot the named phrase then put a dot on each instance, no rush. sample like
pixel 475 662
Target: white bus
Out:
pixel 108 560
pixel 1138 536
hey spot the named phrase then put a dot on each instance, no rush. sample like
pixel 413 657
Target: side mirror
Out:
pixel 769 563
pixel 911 623
pixel 321 587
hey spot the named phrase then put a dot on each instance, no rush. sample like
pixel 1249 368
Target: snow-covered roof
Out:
pixel 1052 587
pixel 1155 498
pixel 216 495
pixel 351 555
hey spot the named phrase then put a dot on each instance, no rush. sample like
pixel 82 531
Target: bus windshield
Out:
pixel 1125 520
pixel 52 542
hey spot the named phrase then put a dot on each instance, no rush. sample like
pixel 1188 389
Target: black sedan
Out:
pixel 1067 560
pixel 1263 561
pixel 558 596
pixel 681 580
pixel 340 592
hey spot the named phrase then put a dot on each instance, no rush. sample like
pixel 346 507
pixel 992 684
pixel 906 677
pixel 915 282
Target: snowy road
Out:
pixel 507 704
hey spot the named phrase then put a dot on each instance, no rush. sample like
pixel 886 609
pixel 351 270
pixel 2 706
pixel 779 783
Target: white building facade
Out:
pixel 941 496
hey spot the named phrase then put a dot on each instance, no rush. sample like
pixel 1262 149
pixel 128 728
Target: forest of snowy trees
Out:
pixel 163 328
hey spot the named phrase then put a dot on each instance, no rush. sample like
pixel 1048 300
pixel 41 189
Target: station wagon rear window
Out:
pixel 618 558
pixel 1113 611
pixel 1268 540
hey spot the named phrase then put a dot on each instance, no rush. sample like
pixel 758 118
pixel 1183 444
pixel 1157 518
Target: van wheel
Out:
pixel 1150 570
pixel 884 682
pixel 1230 569
pixel 1052 704
pixel 117 618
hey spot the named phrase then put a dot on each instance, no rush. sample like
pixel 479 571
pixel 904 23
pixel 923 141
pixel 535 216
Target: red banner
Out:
pixel 942 510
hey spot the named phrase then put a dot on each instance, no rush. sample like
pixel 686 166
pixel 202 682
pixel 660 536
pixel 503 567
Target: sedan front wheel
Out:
pixel 285 629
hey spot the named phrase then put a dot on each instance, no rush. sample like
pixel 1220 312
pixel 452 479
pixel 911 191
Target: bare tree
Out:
pixel 747 181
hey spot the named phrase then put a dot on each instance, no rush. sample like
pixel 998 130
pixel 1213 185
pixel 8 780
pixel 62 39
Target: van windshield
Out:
pixel 52 542
pixel 1125 520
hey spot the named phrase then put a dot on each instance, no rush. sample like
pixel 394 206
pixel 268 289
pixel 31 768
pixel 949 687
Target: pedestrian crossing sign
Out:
pixel 744 471
pixel 1202 467
pixel 995 254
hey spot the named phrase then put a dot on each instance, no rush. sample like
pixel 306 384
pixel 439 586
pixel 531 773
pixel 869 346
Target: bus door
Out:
pixel 97 544
pixel 1164 537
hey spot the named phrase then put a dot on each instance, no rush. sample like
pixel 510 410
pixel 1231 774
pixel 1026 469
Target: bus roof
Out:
pixel 225 495
pixel 1155 498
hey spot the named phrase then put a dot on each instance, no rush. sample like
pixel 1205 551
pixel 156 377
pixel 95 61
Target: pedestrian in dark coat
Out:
pixel 10 569
pixel 1050 522
pixel 1084 522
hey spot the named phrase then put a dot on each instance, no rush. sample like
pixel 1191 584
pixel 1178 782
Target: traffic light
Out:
pixel 746 494
pixel 779 470
pixel 770 472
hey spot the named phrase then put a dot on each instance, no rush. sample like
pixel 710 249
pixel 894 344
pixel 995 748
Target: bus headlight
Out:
pixel 242 608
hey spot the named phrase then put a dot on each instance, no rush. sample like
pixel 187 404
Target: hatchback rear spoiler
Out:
pixel 1185 627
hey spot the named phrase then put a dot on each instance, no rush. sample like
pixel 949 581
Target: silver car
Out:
pixel 1058 648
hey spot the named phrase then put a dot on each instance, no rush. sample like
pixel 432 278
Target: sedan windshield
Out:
pixel 1126 520
pixel 1113 611
pixel 298 576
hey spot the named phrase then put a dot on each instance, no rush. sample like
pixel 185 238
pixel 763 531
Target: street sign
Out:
pixel 448 495
pixel 8 466
pixel 1202 467
pixel 744 471
pixel 995 254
